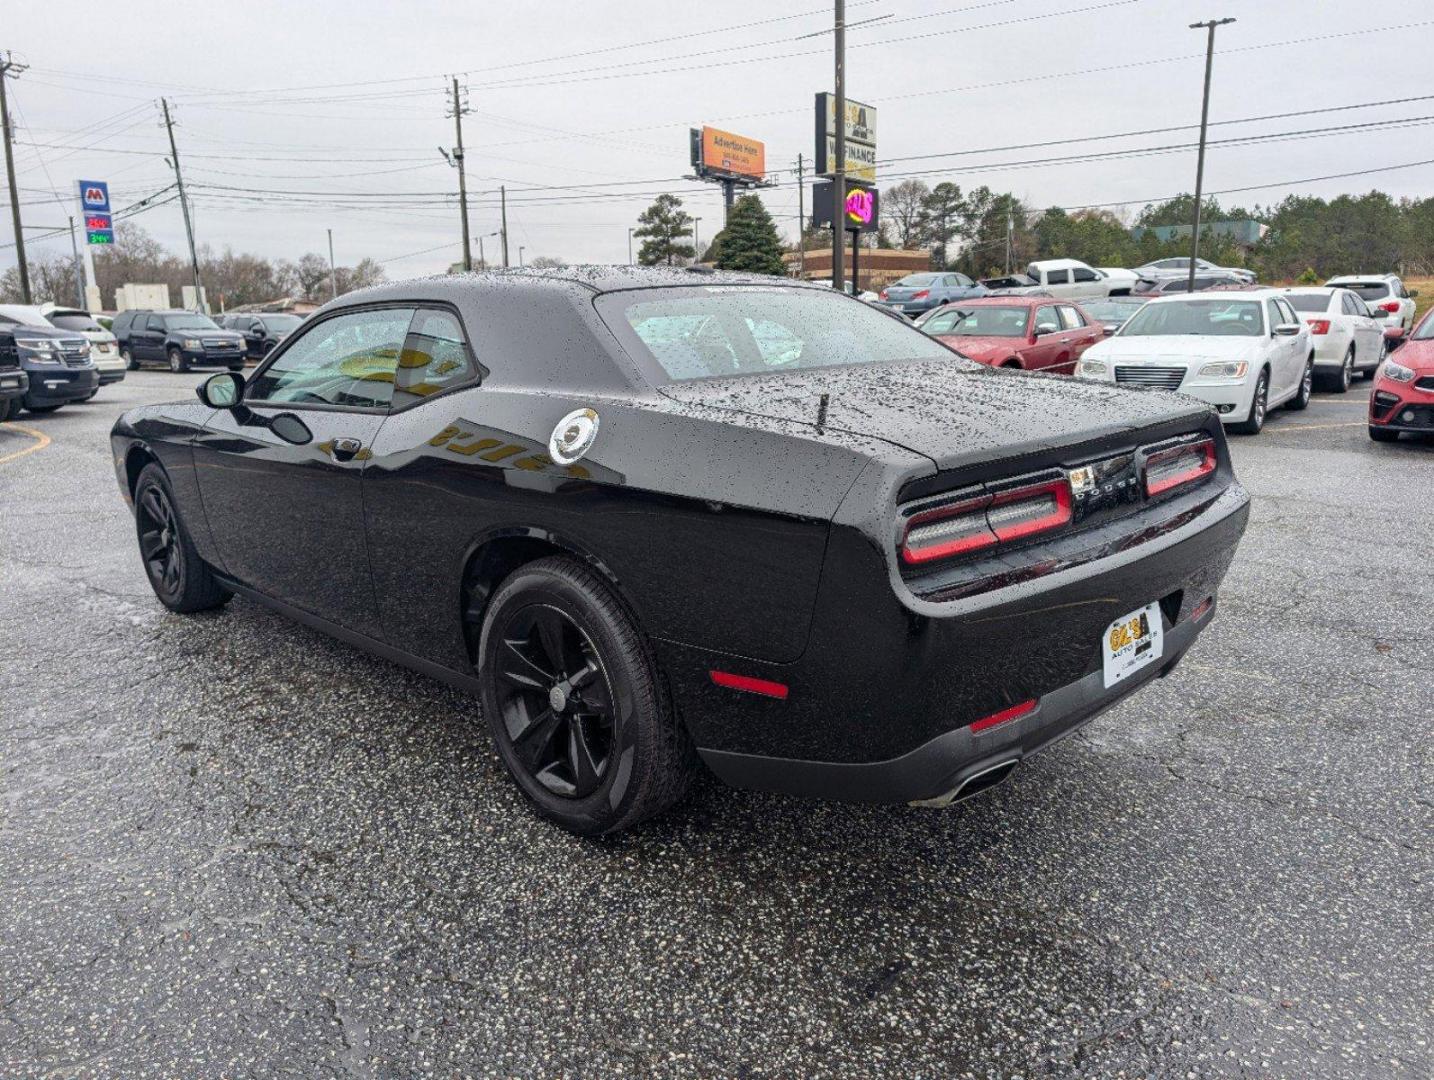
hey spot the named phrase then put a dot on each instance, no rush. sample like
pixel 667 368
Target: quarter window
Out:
pixel 1082 274
pixel 346 360
pixel 435 358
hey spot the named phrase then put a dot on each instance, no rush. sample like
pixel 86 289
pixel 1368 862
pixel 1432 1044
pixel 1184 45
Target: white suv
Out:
pixel 1244 351
pixel 1382 291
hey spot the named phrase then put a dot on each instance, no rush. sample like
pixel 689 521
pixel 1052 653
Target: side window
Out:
pixel 1288 312
pixel 435 358
pixel 1082 274
pixel 1070 317
pixel 1273 311
pixel 154 322
pixel 349 360
pixel 1352 305
pixel 1058 277
pixel 1046 321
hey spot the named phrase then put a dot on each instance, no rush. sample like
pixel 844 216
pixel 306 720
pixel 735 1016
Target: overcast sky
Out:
pixel 335 112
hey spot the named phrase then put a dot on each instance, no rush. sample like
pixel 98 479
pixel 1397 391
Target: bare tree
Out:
pixel 903 206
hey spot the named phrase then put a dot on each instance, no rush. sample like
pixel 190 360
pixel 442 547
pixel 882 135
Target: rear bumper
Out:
pixel 942 765
pixel 879 707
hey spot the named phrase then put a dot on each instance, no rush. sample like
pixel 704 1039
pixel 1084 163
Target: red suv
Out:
pixel 1032 332
pixel 1403 397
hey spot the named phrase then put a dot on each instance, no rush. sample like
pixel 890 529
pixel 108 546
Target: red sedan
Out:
pixel 1403 397
pixel 1037 333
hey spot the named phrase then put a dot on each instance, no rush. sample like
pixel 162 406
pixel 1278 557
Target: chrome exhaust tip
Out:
pixel 973 785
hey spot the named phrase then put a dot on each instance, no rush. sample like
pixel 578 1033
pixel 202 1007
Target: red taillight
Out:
pixel 922 295
pixel 947 530
pixel 1005 716
pixel 1166 470
pixel 980 522
pixel 1319 326
pixel 883 294
pixel 747 683
pixel 1392 305
pixel 1028 510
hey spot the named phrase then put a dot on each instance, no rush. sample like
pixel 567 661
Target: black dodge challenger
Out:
pixel 655 517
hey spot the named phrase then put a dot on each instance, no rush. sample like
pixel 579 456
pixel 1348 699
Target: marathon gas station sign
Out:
pixel 95 207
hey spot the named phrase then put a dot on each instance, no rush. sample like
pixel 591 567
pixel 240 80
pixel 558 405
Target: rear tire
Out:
pixel 1379 434
pixel 179 577
pixel 130 363
pixel 1339 382
pixel 177 363
pixel 1259 404
pixel 1301 399
pixel 575 702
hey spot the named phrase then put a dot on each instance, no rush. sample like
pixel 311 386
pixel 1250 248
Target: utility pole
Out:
pixel 1010 227
pixel 183 205
pixel 521 249
pixel 696 243
pixel 333 274
pixel 839 166
pixel 79 273
pixel 629 247
pixel 459 108
pixel 801 218
pixel 503 201
pixel 1209 27
pixel 10 68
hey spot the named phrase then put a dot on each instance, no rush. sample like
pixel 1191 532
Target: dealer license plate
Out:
pixel 1132 642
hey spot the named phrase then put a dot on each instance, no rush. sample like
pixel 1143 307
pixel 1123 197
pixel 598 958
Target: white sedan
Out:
pixel 1347 336
pixel 1382 292
pixel 1245 352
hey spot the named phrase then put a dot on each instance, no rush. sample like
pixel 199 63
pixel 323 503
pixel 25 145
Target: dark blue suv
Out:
pixel 56 365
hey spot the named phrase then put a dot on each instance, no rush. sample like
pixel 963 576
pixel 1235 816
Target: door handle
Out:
pixel 344 449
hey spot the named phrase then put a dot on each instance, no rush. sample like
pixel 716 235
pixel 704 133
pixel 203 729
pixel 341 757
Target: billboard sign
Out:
pixel 861 211
pixel 725 156
pixel 95 208
pixel 860 138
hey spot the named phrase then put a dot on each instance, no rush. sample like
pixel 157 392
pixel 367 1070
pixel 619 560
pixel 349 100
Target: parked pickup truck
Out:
pixel 1071 279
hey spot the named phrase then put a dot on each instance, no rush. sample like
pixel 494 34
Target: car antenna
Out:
pixel 822 412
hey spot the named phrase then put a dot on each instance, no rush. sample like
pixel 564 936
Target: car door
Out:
pixel 150 339
pixel 281 476
pixel 1080 333
pixel 1046 326
pixel 1368 331
pixel 1058 282
pixel 1285 369
pixel 1086 282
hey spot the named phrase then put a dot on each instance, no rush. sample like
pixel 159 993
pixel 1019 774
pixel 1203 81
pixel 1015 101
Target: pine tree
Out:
pixel 662 227
pixel 750 241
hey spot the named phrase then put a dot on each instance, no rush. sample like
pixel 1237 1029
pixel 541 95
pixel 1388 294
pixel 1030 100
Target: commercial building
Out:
pixel 876 267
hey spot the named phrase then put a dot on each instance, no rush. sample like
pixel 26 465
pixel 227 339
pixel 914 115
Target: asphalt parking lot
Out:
pixel 230 846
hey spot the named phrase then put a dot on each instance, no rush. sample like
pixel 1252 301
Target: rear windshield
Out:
pixel 286 323
pixel 74 320
pixel 980 322
pixel 699 333
pixel 1214 318
pixel 1368 290
pixel 917 280
pixel 1309 301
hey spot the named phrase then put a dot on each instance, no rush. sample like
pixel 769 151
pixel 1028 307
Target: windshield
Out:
pixel 914 281
pixel 1215 318
pixel 1367 290
pixel 980 322
pixel 1111 310
pixel 189 322
pixel 1309 301
pixel 694 334
pixel 74 320
pixel 284 324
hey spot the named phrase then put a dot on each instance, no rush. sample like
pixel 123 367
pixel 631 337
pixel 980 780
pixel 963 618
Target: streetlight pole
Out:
pixel 1209 27
pixel 521 249
pixel 839 166
pixel 7 65
pixel 333 274
pixel 696 243
pixel 629 247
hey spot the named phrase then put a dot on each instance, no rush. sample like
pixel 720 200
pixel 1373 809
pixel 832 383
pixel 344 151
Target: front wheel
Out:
pixel 177 362
pixel 575 703
pixel 1253 422
pixel 178 576
pixel 1301 399
pixel 1379 434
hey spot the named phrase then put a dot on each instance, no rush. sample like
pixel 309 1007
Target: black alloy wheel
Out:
pixel 574 699
pixel 178 576
pixel 556 704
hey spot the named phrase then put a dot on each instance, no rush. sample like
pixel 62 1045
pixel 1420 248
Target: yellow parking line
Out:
pixel 41 441
pixel 1307 427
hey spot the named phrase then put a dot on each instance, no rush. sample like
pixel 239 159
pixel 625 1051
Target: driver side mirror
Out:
pixel 222 391
pixel 1288 329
